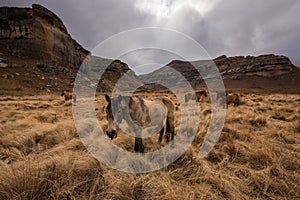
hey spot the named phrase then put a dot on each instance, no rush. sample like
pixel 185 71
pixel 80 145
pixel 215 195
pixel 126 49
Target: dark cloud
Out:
pixel 233 27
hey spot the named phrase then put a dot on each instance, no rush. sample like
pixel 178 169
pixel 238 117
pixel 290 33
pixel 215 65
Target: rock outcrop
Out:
pixel 256 72
pixel 35 44
pixel 264 65
pixel 39 34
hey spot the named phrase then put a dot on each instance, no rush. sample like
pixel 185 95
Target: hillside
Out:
pixel 38 55
pixel 265 73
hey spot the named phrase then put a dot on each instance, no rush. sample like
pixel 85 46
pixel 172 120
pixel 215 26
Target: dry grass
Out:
pixel 257 156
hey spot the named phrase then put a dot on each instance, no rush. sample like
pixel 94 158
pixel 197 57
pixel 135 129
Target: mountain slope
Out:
pixel 265 73
pixel 38 55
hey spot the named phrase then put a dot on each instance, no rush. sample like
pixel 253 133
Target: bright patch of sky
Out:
pixel 166 8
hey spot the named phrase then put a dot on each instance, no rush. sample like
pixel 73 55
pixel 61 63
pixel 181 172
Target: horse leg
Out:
pixel 168 131
pixel 236 102
pixel 161 133
pixel 171 129
pixel 138 145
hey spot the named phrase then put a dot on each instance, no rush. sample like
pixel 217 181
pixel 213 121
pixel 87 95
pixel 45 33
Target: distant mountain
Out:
pixel 265 73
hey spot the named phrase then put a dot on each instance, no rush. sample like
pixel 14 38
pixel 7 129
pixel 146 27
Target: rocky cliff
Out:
pixel 39 34
pixel 264 65
pixel 37 54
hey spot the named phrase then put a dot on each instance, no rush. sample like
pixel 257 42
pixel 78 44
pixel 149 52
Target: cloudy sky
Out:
pixel 235 27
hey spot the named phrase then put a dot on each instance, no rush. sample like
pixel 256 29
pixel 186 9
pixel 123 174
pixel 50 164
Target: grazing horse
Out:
pixel 199 95
pixel 233 98
pixel 142 112
pixel 68 95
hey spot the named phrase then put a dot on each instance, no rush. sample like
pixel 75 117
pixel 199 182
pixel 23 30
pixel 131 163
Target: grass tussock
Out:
pixel 60 178
pixel 256 156
pixel 258 121
pixel 297 127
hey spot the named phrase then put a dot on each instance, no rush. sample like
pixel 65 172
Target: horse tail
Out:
pixel 170 122
pixel 163 131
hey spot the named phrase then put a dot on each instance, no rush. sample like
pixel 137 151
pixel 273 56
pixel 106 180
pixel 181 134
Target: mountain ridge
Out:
pixel 38 55
pixel 261 72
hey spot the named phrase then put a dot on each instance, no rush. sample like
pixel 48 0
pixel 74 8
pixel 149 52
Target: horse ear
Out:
pixel 107 98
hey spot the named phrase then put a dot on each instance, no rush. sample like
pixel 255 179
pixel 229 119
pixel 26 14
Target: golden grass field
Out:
pixel 257 156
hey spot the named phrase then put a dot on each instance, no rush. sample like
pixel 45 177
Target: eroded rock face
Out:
pixel 38 33
pixel 35 44
pixel 264 65
pixel 234 71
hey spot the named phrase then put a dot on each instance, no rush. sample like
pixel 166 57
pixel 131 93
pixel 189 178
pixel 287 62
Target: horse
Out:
pixel 160 110
pixel 199 95
pixel 233 98
pixel 68 95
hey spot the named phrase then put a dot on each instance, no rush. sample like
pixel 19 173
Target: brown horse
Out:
pixel 142 112
pixel 199 96
pixel 68 95
pixel 233 98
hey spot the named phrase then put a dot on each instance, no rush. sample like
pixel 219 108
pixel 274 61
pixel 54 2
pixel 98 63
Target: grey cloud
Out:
pixel 257 27
pixel 232 27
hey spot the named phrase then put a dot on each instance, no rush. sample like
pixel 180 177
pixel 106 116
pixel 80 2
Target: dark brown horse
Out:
pixel 141 111
pixel 233 98
pixel 68 95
